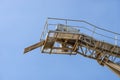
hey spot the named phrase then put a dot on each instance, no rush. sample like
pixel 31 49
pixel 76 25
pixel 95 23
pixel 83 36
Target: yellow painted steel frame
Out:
pixel 63 42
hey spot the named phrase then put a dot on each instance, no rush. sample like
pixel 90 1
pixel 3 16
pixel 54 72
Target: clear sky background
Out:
pixel 21 23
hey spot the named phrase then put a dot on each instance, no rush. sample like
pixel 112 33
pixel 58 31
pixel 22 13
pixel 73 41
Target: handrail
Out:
pixel 66 23
pixel 92 31
pixel 86 23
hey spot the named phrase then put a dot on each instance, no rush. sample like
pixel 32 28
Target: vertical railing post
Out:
pixel 116 40
pixel 66 22
pixel 44 30
pixel 93 31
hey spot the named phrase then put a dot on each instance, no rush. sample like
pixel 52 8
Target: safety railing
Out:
pixel 85 28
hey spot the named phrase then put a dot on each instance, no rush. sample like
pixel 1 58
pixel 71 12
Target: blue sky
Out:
pixel 21 23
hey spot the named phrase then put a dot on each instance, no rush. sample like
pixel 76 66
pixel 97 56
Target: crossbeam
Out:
pixel 34 46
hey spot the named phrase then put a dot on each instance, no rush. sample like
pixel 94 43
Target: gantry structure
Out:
pixel 71 37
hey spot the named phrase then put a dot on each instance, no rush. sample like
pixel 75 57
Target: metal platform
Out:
pixel 59 38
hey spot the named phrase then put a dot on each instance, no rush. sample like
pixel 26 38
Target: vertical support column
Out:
pixel 76 43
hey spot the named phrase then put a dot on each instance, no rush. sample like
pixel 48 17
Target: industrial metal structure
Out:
pixel 71 37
